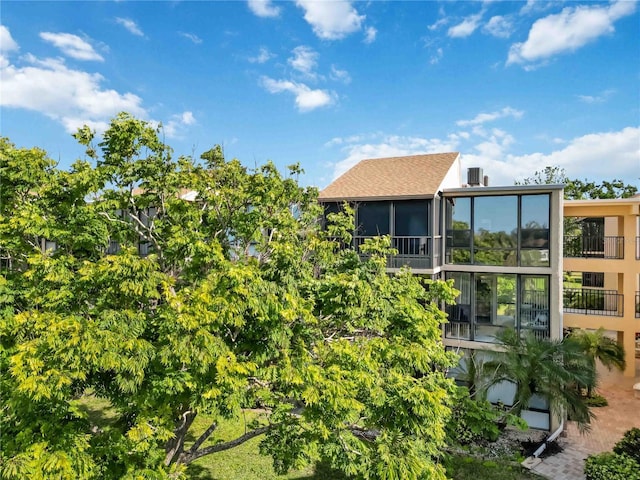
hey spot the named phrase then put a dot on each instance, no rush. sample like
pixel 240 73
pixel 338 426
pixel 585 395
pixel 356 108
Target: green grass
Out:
pixel 468 468
pixel 245 461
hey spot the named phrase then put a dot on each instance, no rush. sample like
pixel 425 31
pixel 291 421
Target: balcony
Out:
pixel 637 304
pixel 593 302
pixel 415 252
pixel 594 246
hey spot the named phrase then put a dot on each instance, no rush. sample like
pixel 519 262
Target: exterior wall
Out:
pixel 621 275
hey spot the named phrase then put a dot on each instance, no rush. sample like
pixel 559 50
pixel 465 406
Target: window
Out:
pixel 373 219
pixel 593 279
pixel 499 230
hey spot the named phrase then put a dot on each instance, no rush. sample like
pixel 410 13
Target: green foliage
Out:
pixel 629 444
pixel 182 288
pixel 474 420
pixel 549 368
pixel 576 189
pixel 611 466
pixel 595 400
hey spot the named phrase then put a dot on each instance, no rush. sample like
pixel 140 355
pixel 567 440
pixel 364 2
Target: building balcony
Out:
pixel 486 333
pixel 594 246
pixel 421 253
pixel 637 304
pixel 589 301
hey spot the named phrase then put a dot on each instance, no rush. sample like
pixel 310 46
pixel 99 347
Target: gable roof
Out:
pixel 412 176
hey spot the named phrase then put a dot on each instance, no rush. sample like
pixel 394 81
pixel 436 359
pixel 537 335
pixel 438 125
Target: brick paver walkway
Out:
pixel 622 413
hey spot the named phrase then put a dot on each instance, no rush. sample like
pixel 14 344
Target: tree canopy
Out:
pixel 175 287
pixel 576 189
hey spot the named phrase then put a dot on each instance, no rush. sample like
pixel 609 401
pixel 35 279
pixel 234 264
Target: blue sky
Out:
pixel 513 86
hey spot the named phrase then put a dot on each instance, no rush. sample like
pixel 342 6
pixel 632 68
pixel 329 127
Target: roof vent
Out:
pixel 475 177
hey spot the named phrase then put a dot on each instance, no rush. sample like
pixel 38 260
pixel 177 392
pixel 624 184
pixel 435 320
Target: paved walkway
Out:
pixel 622 413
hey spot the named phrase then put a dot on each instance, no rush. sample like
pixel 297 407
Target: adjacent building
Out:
pixel 602 270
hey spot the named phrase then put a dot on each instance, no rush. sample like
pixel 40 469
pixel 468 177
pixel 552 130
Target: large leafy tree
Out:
pixel 189 287
pixel 576 189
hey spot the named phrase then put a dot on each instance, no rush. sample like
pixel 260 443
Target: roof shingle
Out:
pixel 415 175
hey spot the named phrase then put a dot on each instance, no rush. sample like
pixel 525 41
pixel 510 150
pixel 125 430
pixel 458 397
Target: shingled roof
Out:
pixel 412 176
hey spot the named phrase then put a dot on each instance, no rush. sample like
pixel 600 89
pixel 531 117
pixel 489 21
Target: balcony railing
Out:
pixel 593 246
pixel 593 302
pixel 416 252
pixel 486 333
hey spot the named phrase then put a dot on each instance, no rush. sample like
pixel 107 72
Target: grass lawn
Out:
pixel 468 468
pixel 245 462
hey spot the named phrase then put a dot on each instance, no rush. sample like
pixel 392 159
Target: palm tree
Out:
pixel 548 368
pixel 596 345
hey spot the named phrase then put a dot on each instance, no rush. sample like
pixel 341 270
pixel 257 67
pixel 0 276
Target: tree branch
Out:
pixel 203 437
pixel 189 457
pixel 176 444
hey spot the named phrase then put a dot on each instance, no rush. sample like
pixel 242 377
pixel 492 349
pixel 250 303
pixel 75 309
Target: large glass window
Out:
pixel 489 303
pixel 373 219
pixel 495 228
pixel 500 230
pixel 459 230
pixel 534 230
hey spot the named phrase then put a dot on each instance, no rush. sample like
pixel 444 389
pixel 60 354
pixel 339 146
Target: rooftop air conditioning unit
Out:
pixel 475 177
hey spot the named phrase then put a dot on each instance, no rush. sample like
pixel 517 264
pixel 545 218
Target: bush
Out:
pixel 596 400
pixel 611 466
pixel 630 445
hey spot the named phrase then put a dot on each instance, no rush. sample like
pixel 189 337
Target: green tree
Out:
pixel 576 189
pixel 184 287
pixel 597 346
pixel 544 367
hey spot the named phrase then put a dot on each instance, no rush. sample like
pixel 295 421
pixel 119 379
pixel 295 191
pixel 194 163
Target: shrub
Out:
pixel 630 445
pixel 596 401
pixel 611 466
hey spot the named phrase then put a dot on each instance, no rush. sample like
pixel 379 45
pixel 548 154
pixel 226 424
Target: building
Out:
pixel 502 246
pixel 602 270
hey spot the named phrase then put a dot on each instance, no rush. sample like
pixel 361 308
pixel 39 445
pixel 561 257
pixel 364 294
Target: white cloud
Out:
pixel 306 99
pixel 304 60
pixel 601 98
pixel 176 125
pixel 7 43
pixel 466 27
pixel 436 57
pixel 381 146
pixel 499 26
pixel 72 46
pixel 490 117
pixel 581 157
pixel 568 30
pixel 71 97
pixel 340 75
pixel 440 23
pixel 191 36
pixel 263 8
pixel 130 25
pixel 370 35
pixel 264 55
pixel 331 20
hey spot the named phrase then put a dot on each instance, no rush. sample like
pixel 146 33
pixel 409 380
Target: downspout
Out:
pixel 549 439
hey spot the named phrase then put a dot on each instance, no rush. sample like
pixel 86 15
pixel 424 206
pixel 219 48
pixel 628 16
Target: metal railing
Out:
pixel 415 252
pixel 458 330
pixel 593 302
pixel 593 246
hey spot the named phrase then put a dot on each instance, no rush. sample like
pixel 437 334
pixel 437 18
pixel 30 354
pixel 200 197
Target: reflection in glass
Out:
pixel 534 230
pixel 459 230
pixel 495 229
pixel 373 219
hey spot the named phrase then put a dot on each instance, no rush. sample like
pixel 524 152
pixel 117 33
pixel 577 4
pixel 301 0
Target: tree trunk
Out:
pixel 175 446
